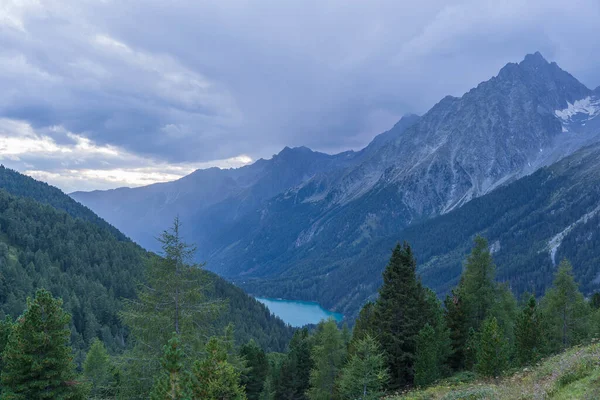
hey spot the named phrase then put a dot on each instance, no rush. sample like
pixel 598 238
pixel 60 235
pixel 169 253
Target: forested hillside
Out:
pixel 92 267
pixel 531 224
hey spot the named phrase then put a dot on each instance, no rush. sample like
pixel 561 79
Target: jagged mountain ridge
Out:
pixel 463 148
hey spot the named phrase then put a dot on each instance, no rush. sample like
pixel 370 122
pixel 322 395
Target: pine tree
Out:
pixel 328 355
pixel 38 362
pixel 214 378
pixel 364 376
pixel 99 371
pixel 492 355
pixel 253 379
pixel 529 334
pixel 426 364
pixel 566 310
pixel 399 315
pixel 175 383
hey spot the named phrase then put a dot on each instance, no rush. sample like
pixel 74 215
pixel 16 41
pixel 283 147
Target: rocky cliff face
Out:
pixel 302 215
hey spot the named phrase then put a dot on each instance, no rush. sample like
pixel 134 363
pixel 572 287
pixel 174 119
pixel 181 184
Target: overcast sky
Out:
pixel 104 93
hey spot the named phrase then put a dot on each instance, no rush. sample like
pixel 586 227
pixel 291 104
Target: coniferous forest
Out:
pixel 89 314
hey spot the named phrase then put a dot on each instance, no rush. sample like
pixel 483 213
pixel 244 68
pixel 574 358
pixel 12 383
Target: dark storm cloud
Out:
pixel 192 81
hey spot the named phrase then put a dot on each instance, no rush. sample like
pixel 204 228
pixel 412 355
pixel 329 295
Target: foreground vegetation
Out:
pixel 574 374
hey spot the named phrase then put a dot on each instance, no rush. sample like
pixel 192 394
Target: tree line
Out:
pixel 406 338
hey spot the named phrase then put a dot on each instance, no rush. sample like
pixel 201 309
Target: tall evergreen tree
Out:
pixel 38 361
pixel 253 378
pixel 492 355
pixel 364 376
pixel 457 320
pixel 566 310
pixel 328 355
pixel 294 376
pixel 99 371
pixel 214 378
pixel 399 315
pixel 529 334
pixel 175 383
pixel 172 299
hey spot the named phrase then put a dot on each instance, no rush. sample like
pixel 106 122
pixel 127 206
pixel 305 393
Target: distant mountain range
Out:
pixel 319 227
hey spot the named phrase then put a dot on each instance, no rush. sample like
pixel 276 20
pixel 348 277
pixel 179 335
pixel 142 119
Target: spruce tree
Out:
pixel 175 382
pixel 566 310
pixel 427 368
pixel 294 377
pixel 457 320
pixel 38 361
pixel 257 368
pixel 364 376
pixel 492 355
pixel 399 315
pixel 328 355
pixel 529 334
pixel 214 378
pixel 99 371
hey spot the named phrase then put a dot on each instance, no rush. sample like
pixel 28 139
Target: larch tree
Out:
pixel 364 376
pixel 213 377
pixel 171 299
pixel 492 354
pixel 427 368
pixel 566 310
pixel 478 283
pixel 99 371
pixel 328 355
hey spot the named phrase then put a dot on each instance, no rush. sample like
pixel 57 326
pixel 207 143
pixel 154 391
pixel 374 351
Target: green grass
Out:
pixel 572 375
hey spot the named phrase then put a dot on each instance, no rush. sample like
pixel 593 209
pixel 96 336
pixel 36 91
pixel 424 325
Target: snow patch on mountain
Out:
pixel 554 243
pixel 589 106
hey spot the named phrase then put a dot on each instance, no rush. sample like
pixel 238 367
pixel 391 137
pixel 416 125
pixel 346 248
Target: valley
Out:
pixel 310 226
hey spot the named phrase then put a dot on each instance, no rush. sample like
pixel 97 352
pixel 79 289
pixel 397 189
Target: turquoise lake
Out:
pixel 299 313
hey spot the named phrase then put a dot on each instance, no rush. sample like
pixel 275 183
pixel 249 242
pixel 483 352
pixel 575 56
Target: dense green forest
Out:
pixel 403 340
pixel 93 268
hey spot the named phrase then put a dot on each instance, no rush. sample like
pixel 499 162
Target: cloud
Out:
pixel 78 163
pixel 187 82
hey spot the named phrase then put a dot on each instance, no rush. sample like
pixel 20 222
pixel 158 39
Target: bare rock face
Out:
pixel 303 215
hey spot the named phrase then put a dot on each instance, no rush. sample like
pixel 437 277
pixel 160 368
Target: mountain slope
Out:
pixel 92 268
pixel 531 225
pixel 292 242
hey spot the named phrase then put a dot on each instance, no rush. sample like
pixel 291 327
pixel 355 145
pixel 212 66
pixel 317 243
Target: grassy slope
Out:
pixel 574 374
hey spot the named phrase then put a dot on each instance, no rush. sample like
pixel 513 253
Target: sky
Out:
pixel 97 94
